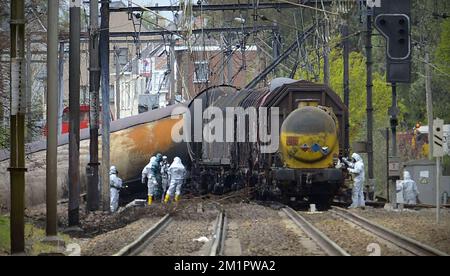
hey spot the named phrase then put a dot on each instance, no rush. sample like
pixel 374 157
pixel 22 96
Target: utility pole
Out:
pixel 369 87
pixel 388 180
pixel 94 83
pixel 394 112
pixel 346 52
pixel 276 46
pixel 326 52
pixel 74 114
pixel 172 71
pixel 117 101
pixel 230 65
pixel 52 118
pixel 17 166
pixel 28 90
pixel 60 87
pixel 223 58
pixel 429 96
pixel 106 115
pixel 229 59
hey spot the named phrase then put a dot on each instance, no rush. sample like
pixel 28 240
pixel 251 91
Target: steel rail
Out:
pixel 325 243
pixel 218 242
pixel 140 243
pixel 406 243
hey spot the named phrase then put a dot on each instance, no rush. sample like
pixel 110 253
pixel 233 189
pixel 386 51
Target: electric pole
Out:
pixel 346 84
pixel 230 59
pixel 117 100
pixel 94 102
pixel 172 71
pixel 18 107
pixel 429 96
pixel 393 113
pixel 60 87
pixel 52 118
pixel 106 115
pixel 326 58
pixel 29 114
pixel 74 114
pixel 369 87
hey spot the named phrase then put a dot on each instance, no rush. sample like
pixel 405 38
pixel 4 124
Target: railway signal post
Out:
pixel 18 104
pixel 438 152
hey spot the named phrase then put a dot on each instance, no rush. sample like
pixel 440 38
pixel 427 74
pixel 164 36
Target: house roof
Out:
pixel 117 4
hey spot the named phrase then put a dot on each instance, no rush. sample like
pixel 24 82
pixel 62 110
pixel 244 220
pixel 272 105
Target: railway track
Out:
pixel 325 243
pixel 140 243
pixel 214 247
pixel 410 245
pixel 243 233
pixel 218 241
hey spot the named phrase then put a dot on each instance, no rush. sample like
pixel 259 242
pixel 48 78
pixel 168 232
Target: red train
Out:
pixel 84 119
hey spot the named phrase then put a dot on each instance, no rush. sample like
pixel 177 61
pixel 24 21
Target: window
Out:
pixel 201 73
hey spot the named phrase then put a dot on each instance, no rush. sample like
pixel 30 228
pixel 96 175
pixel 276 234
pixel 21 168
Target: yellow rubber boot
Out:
pixel 177 198
pixel 150 200
pixel 167 198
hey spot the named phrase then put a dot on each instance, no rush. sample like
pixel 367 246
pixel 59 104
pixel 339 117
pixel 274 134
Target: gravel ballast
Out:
pixel 353 239
pixel 263 231
pixel 420 225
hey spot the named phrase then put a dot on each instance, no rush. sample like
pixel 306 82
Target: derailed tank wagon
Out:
pixel 283 142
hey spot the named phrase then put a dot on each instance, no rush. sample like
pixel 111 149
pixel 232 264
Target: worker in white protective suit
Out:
pixel 115 184
pixel 151 172
pixel 358 172
pixel 165 176
pixel 410 191
pixel 177 174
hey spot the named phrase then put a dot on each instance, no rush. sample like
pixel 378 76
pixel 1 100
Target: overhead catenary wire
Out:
pixel 308 7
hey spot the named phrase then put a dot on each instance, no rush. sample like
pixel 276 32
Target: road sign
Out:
pixel 438 138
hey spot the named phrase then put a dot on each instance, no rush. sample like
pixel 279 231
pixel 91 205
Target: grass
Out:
pixel 33 239
pixel 4 235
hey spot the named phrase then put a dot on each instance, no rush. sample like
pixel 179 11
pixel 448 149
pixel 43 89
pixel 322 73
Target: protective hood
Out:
pixel 357 157
pixel 406 175
pixel 113 170
pixel 177 163
pixel 153 159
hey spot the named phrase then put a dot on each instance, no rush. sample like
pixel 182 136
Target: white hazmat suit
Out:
pixel 149 173
pixel 165 175
pixel 358 172
pixel 410 191
pixel 177 174
pixel 115 184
